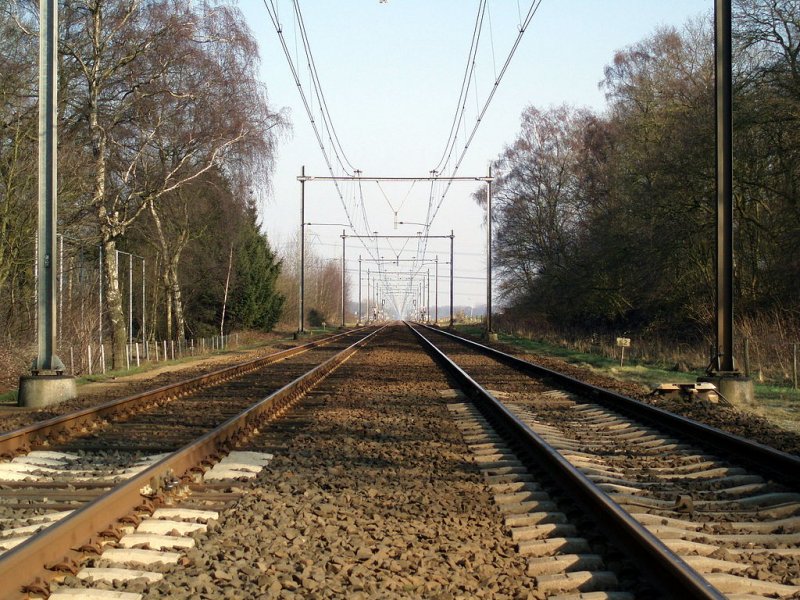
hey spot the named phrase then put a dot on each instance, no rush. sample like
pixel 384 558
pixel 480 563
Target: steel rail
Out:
pixel 782 466
pixel 60 542
pixel 21 440
pixel 675 576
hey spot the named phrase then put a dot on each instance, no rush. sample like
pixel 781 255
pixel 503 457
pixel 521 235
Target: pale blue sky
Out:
pixel 391 73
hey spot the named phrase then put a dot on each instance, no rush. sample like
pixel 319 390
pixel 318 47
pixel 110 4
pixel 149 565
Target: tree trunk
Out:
pixel 108 221
pixel 167 302
pixel 154 299
pixel 172 285
pixel 225 297
pixel 114 307
pixel 109 227
pixel 175 292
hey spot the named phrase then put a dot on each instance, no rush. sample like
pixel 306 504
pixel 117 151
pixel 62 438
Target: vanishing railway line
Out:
pixel 593 499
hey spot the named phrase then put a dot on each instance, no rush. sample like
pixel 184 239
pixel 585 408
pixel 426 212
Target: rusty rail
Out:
pixel 59 542
pixel 21 440
pixel 663 565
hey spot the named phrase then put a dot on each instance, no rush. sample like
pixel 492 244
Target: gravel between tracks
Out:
pixel 371 494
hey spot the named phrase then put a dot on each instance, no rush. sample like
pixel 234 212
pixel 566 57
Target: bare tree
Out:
pixel 146 79
pixel 18 122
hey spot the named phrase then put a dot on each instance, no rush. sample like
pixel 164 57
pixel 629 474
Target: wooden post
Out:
pixel 794 366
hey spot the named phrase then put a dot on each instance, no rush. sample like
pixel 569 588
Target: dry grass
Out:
pixel 764 346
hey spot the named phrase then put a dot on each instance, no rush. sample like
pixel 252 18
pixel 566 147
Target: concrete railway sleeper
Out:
pixel 736 527
pixel 133 511
pixel 562 561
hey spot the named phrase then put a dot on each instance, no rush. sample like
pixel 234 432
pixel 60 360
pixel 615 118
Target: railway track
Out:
pixel 365 489
pixel 722 512
pixel 122 459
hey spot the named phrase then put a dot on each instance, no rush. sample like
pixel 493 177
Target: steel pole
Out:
pixel 144 312
pixel 436 293
pixel 724 245
pixel 100 298
pixel 46 359
pixel 130 299
pixel 344 237
pixel 359 289
pixel 301 316
pixel 422 300
pixel 428 301
pixel 60 290
pixel 452 237
pixel 36 282
pixel 489 253
pixel 367 295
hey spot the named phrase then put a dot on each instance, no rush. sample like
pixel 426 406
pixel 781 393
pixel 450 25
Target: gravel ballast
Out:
pixel 371 495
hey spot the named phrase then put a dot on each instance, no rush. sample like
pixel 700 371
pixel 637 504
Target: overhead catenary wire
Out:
pixel 451 158
pixel 333 137
pixel 272 11
pixel 534 7
pixel 528 18
pixel 469 67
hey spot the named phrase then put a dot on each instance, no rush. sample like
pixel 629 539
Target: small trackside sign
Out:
pixel 623 342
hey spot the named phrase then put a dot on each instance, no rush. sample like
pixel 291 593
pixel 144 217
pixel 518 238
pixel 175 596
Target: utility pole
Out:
pixel 48 181
pixel 130 299
pixel 41 389
pixel 344 237
pixel 421 303
pixel 489 255
pixel 434 176
pixel 301 317
pixel 100 297
pixel 359 290
pixel 452 237
pixel 723 62
pixel 723 373
pixel 428 301
pixel 144 312
pixel 60 289
pixel 436 293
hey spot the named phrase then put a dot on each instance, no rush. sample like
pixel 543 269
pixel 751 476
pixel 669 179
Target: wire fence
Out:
pixel 94 358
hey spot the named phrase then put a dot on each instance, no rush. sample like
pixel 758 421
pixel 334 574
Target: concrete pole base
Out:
pixel 735 388
pixel 490 336
pixel 36 391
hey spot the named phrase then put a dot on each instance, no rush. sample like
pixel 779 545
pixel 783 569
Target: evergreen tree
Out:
pixel 255 303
